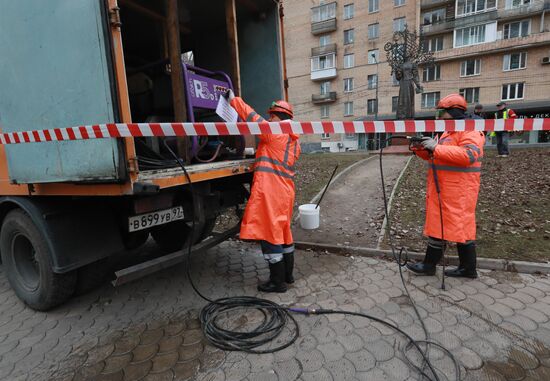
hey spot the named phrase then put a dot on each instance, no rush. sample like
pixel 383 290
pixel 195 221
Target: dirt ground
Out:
pixel 513 212
pixel 312 173
pixel 352 210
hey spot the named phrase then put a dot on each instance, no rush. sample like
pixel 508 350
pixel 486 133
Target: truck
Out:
pixel 68 207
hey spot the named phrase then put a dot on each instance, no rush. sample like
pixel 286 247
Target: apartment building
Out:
pixel 488 50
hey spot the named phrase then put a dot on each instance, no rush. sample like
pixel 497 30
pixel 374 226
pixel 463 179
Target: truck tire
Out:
pixel 27 262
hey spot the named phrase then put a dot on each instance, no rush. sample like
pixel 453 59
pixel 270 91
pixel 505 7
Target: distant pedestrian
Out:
pixel 503 137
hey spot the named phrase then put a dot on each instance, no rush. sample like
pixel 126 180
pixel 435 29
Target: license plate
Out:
pixel 144 221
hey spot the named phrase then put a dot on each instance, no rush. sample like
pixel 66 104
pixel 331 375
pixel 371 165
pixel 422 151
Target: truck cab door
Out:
pixel 56 71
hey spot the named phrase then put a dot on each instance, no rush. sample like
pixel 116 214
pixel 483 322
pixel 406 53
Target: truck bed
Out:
pixel 197 172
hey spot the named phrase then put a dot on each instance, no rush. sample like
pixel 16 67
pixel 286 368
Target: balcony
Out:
pixel 438 27
pixel 435 3
pixel 523 11
pixel 323 50
pixel 478 18
pixel 318 75
pixel 323 18
pixel 324 98
pixel 533 40
pixel 323 26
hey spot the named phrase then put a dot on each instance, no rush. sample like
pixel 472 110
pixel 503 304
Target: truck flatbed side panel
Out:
pixel 55 73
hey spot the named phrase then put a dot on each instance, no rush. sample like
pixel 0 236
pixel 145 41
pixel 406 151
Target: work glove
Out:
pixel 428 144
pixel 230 95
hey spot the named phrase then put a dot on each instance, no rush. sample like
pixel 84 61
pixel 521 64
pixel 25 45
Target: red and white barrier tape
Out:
pixel 112 130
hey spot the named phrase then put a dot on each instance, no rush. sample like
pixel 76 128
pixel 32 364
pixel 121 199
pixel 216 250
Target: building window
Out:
pixel 374 6
pixel 517 29
pixel 349 36
pixel 373 57
pixel 510 4
pixel 350 136
pixel 515 61
pixel 374 31
pixel 469 7
pixel 435 16
pixel 348 85
pixel 429 100
pixel 325 88
pixel 372 106
pixel 399 24
pixel 471 94
pixel 323 12
pixel 512 91
pixel 470 67
pixel 431 73
pixel 323 62
pixel 324 40
pixel 434 44
pixel 475 35
pixel 349 60
pixel 325 113
pixel 348 108
pixel 349 11
pixel 394 103
pixel 372 81
pixel 397 3
pixel 324 135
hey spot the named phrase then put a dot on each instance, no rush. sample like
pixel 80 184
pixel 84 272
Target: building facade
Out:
pixel 488 50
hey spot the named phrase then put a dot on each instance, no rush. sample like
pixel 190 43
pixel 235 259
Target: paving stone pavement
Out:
pixel 497 326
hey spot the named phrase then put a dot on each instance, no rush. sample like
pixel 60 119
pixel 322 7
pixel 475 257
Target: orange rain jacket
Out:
pixel 268 214
pixel 457 160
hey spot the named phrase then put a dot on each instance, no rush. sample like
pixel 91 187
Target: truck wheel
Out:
pixel 171 237
pixel 26 258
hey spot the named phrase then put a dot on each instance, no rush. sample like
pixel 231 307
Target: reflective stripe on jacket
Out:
pixel 457 160
pixel 268 213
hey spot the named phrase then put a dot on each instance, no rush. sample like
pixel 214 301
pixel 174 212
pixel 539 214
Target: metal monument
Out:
pixel 405 54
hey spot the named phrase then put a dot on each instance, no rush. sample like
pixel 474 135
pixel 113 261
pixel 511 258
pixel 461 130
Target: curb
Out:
pixel 390 201
pixel 336 178
pixel 482 263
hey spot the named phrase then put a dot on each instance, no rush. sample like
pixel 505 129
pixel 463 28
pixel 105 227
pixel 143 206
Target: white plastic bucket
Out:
pixel 309 216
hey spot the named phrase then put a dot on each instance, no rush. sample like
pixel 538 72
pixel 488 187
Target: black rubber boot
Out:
pixel 427 267
pixel 276 282
pixel 467 262
pixel 288 259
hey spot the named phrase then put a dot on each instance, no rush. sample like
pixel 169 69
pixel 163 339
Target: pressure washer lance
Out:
pixel 326 187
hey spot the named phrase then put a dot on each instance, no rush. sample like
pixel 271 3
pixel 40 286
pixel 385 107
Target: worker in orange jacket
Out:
pixel 457 160
pixel 268 213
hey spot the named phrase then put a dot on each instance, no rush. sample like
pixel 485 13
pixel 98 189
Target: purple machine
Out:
pixel 203 89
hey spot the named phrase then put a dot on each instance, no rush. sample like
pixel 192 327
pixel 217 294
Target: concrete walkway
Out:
pixel 352 210
pixel 498 326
